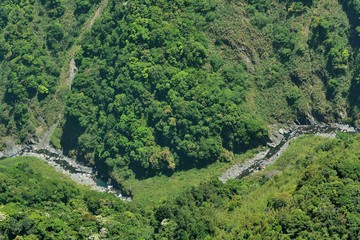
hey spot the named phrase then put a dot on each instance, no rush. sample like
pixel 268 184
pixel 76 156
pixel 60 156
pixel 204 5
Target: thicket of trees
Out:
pixel 146 98
pixel 34 34
pixel 315 51
pixel 170 85
pixel 353 10
pixel 160 87
pixel 157 90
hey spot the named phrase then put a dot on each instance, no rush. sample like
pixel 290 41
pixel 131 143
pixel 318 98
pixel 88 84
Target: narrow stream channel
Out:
pixel 265 158
pixel 88 176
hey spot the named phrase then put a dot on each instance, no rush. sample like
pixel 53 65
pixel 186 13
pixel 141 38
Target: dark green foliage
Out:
pixel 54 8
pixel 352 9
pixel 171 85
pixel 33 37
pixel 312 50
pixel 145 99
pixel 83 6
pixel 167 86
pixel 55 34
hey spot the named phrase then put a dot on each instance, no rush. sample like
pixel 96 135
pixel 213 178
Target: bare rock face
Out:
pixel 72 71
pixel 277 134
pixel 10 149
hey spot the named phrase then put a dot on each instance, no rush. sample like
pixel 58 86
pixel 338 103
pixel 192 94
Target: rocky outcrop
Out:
pixel 10 149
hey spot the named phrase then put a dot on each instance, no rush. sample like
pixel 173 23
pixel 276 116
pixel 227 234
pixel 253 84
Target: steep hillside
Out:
pixel 146 99
pixel 169 86
pixel 162 97
pixel 39 203
pixel 34 39
pixel 312 192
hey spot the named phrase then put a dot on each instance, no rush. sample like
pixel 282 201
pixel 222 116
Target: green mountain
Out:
pixel 163 86
pixel 155 91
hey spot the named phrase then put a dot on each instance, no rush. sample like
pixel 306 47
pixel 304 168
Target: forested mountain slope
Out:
pixel 163 86
pixel 39 203
pixel 165 95
pixel 34 39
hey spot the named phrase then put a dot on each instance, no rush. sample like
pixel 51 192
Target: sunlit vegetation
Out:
pixel 164 87
pixel 311 192
pixel 144 101
pixel 167 95
pixel 38 203
pixel 34 37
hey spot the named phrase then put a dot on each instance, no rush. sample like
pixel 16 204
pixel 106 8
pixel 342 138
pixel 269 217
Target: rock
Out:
pixel 344 127
pixel 239 169
pixel 277 137
pixel 281 131
pixel 271 144
pixel 32 141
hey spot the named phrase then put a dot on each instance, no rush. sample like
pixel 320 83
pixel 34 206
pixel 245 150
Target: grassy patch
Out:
pixel 55 139
pixel 39 166
pixel 154 190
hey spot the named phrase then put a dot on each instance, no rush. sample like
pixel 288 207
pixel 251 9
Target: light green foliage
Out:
pixel 39 203
pixel 55 138
pixel 313 49
pixel 310 193
pixel 165 86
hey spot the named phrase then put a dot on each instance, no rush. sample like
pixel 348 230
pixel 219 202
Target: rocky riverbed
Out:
pixel 79 173
pixel 280 142
pixel 85 175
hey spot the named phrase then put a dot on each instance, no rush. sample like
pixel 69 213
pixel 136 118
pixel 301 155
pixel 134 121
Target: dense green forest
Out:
pixel 34 37
pixel 144 100
pixel 165 86
pixel 168 86
pixel 168 94
pixel 311 193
